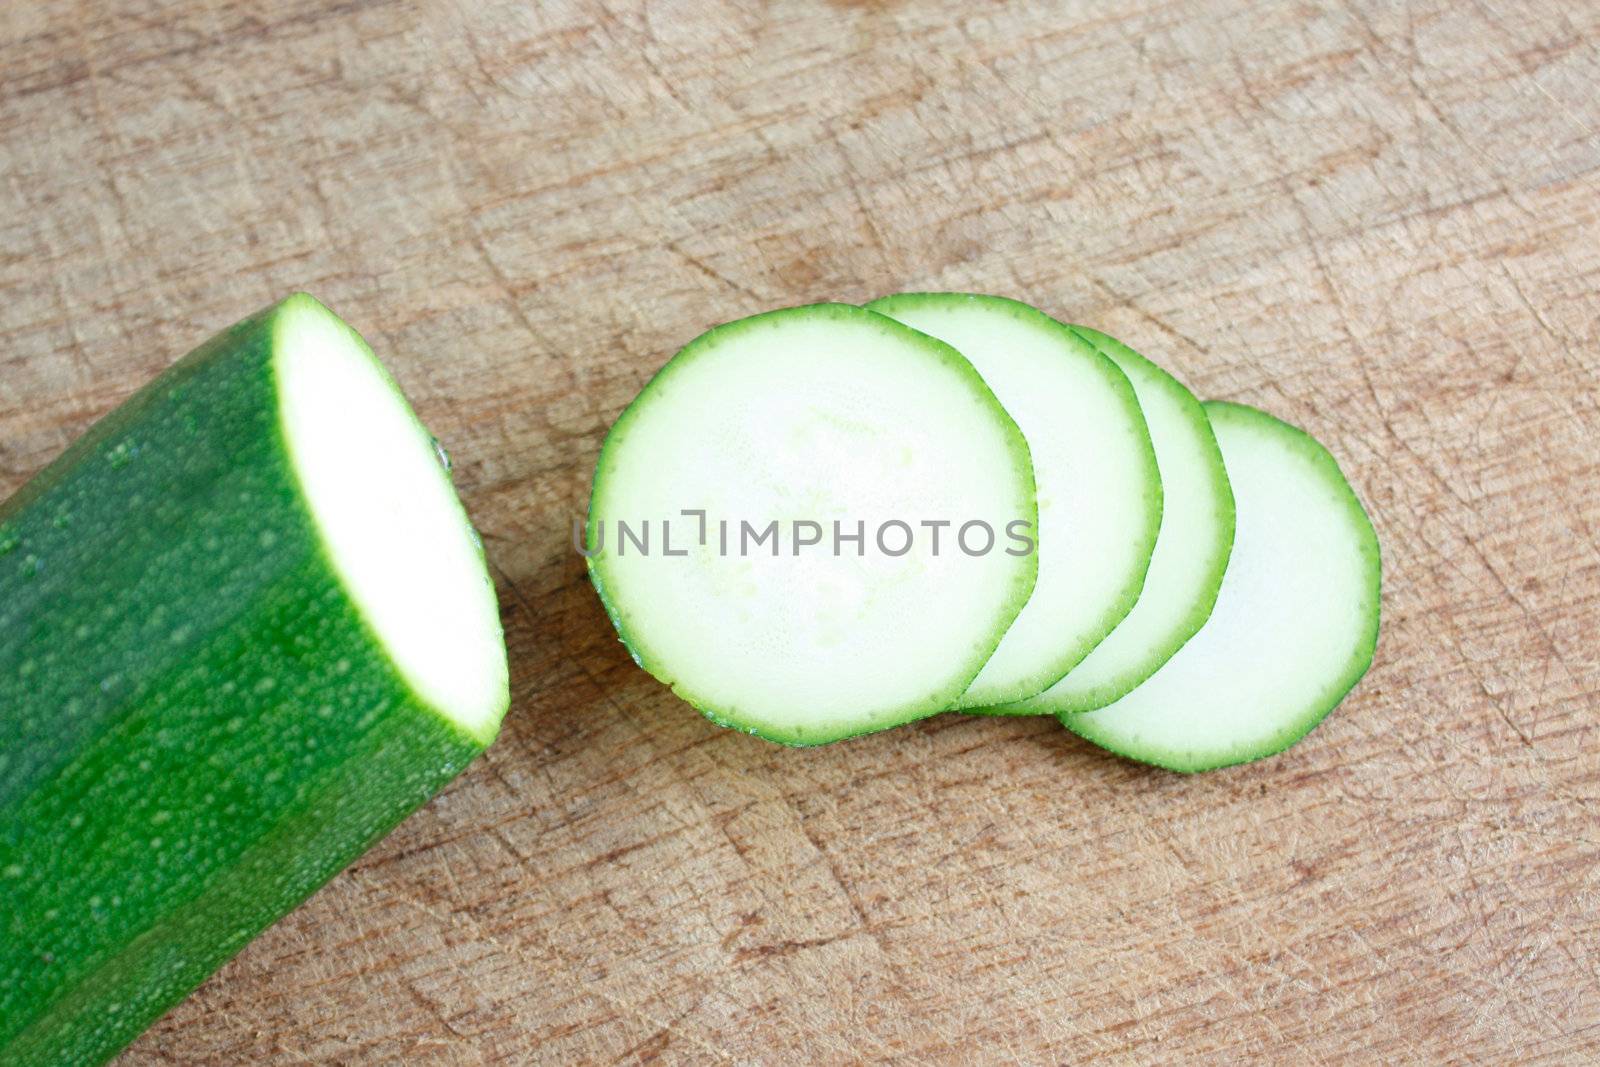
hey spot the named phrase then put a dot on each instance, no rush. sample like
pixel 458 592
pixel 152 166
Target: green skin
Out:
pixel 200 727
pixel 733 718
pixel 1298 722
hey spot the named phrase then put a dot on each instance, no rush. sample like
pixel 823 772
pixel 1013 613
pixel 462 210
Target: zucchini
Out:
pixel 245 629
pixel 1099 486
pixel 841 435
pixel 1191 551
pixel 1295 622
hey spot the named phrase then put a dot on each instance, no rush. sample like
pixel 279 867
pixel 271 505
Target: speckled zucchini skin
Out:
pixel 197 728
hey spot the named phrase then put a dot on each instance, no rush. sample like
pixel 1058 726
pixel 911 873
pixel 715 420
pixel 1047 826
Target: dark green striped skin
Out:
pixel 197 728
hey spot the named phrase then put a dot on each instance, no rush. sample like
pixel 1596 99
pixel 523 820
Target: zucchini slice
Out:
pixel 804 425
pixel 1295 622
pixel 1099 486
pixel 1191 551
pixel 245 629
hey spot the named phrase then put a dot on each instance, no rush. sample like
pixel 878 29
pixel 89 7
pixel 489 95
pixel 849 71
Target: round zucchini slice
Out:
pixel 1191 551
pixel 1295 622
pixel 1099 486
pixel 788 524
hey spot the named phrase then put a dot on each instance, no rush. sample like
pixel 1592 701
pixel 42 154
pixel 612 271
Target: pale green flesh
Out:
pixel 1190 555
pixel 825 413
pixel 1099 489
pixel 389 517
pixel 1294 625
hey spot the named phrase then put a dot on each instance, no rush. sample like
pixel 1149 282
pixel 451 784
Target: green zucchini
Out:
pixel 245 629
pixel 1099 487
pixel 1295 622
pixel 855 441
pixel 1191 551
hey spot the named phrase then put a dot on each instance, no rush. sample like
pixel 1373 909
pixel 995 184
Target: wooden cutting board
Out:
pixel 1377 220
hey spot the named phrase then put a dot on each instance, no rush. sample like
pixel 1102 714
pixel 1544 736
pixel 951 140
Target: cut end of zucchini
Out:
pixel 391 524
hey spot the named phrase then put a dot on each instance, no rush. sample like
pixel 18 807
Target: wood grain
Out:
pixel 1378 220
